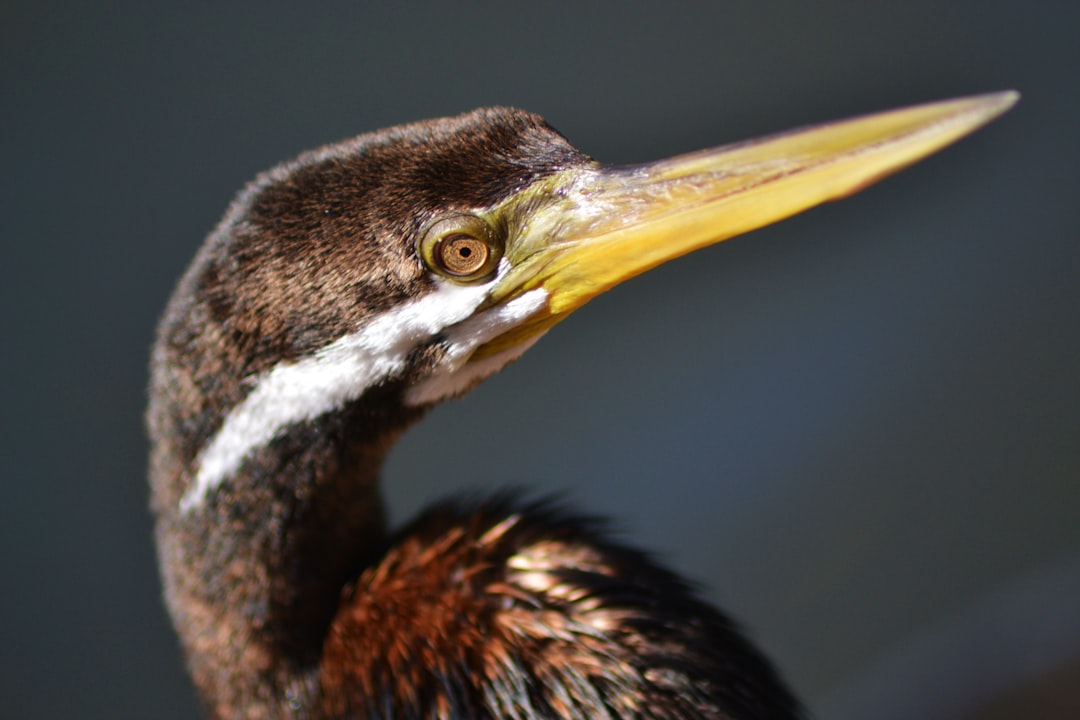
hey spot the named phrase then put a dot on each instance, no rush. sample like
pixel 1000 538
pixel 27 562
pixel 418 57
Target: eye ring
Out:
pixel 461 248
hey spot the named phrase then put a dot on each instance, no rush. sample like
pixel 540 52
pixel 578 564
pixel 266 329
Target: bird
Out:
pixel 351 289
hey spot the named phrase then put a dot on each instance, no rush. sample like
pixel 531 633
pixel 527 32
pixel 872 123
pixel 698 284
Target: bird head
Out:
pixel 408 265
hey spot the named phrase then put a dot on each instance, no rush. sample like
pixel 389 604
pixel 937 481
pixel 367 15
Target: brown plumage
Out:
pixel 532 614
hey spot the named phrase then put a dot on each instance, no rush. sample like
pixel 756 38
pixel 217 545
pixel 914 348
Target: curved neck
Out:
pixel 254 572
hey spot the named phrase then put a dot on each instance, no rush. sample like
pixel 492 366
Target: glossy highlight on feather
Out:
pixel 342 296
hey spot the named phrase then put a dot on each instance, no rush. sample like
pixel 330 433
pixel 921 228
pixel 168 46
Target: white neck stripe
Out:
pixel 341 371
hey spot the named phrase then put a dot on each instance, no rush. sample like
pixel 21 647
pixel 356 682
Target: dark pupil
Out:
pixel 465 252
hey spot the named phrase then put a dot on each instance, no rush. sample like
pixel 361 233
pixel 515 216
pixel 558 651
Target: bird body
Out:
pixel 350 290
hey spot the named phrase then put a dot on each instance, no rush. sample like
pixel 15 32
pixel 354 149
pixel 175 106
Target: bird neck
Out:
pixel 254 572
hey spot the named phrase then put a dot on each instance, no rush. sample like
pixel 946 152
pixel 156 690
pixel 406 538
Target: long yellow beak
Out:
pixel 580 232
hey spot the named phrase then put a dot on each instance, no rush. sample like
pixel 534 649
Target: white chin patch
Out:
pixel 342 371
pixel 457 374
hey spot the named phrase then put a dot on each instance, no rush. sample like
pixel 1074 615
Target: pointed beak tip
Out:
pixel 992 105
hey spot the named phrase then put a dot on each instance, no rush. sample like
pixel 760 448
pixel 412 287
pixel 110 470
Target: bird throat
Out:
pixel 267 496
pixel 254 574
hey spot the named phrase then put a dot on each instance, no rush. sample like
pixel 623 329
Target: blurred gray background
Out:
pixel 858 430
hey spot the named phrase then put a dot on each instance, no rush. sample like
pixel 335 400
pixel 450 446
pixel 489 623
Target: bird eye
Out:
pixel 463 248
